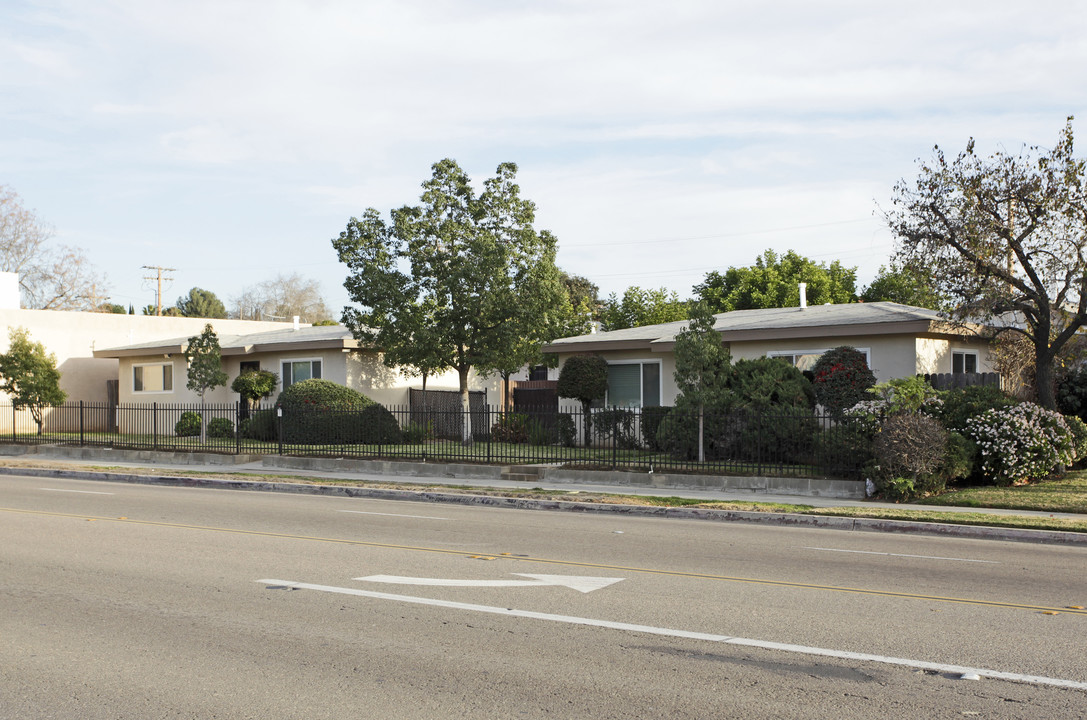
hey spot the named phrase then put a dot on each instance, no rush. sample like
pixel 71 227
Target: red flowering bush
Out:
pixel 841 379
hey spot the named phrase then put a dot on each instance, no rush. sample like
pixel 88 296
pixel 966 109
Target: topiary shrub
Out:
pixel 584 378
pixel 842 378
pixel 220 427
pixel 253 385
pixel 188 425
pixel 1022 442
pixel 320 412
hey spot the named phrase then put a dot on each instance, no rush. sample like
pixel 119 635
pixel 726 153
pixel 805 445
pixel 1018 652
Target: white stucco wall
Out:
pixel 73 337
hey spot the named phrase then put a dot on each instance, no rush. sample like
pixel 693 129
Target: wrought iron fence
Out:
pixel 788 443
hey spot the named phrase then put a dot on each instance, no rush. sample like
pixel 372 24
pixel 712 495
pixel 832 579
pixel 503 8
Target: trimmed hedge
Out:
pixel 320 412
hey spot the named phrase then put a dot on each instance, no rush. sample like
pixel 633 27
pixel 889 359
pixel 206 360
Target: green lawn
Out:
pixel 1065 495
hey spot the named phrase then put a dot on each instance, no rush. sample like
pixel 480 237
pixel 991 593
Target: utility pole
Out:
pixel 158 278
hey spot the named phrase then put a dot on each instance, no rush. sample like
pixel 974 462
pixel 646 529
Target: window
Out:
pixel 634 385
pixel 538 373
pixel 806 359
pixel 964 362
pixel 155 378
pixel 299 370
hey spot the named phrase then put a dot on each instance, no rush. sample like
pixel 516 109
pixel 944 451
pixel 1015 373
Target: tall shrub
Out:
pixel 322 412
pixel 584 378
pixel 841 379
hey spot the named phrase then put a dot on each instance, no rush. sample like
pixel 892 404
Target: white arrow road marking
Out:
pixel 801 649
pixel 575 582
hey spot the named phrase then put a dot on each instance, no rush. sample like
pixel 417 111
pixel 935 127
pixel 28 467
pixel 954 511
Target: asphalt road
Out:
pixel 131 601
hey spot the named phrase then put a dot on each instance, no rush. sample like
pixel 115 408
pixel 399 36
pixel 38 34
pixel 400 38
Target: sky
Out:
pixel 231 141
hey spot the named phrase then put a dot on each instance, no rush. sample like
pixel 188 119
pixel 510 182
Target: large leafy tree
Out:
pixel 1003 238
pixel 461 281
pixel 902 284
pixel 640 307
pixel 200 303
pixel 702 368
pixel 29 375
pixel 205 359
pixel 774 282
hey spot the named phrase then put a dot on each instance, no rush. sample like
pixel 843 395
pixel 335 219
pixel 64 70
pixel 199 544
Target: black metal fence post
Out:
pixel 80 423
pixel 154 426
pixel 238 427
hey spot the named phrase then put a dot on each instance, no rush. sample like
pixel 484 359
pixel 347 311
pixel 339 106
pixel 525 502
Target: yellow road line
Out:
pixel 1070 610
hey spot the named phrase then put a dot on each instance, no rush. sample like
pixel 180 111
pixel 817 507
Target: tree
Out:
pixel 30 376
pixel 200 303
pixel 584 378
pixel 281 298
pixel 1004 239
pixel 464 274
pixel 585 306
pixel 774 282
pixel 253 385
pixel 205 368
pixel 902 284
pixel 51 277
pixel 166 311
pixel 640 307
pixel 702 367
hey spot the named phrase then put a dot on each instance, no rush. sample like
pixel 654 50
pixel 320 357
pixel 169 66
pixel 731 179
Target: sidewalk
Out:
pixel 57 464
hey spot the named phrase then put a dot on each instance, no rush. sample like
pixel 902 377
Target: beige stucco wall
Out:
pixel 361 370
pixel 73 337
pixel 891 356
pixel 934 355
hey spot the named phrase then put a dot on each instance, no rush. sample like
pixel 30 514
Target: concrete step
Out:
pixel 521 473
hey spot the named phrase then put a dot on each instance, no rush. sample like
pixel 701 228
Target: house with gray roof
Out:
pixel 156 371
pixel 898 340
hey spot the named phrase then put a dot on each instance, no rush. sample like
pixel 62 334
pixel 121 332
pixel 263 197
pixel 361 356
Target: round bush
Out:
pixel 1020 443
pixel 1072 393
pixel 220 428
pixel 961 404
pixel 842 378
pixel 767 382
pixel 188 425
pixel 320 412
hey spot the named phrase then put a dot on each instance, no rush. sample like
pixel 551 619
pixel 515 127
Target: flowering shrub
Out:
pixel 1022 442
pixel 841 379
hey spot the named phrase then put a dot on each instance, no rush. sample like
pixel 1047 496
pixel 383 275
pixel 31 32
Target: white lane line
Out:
pixel 922 557
pixel 83 492
pixel 418 517
pixel 764 644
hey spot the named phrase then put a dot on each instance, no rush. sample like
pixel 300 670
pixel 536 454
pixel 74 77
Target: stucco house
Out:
pixel 156 371
pixel 898 340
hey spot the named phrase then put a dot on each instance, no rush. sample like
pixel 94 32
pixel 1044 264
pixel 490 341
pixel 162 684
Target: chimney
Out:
pixel 803 295
pixel 295 322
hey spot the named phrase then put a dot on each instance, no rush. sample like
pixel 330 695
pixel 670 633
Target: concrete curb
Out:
pixel 978 532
